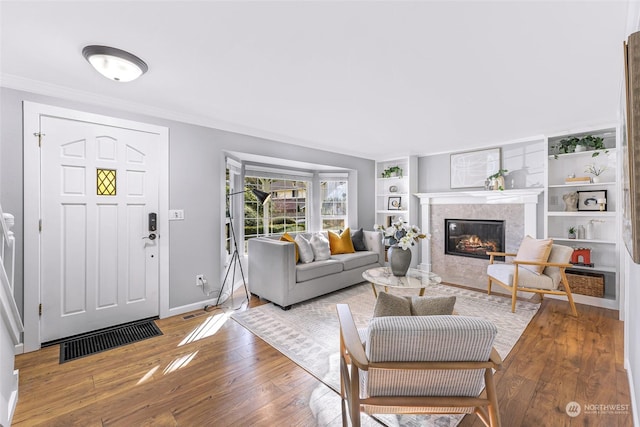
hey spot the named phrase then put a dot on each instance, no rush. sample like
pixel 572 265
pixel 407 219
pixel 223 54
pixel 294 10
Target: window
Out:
pixel 333 198
pixel 106 179
pixel 300 199
pixel 285 211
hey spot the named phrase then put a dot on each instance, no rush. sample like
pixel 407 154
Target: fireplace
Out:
pixel 473 237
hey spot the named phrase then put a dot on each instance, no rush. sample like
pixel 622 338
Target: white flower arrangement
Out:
pixel 401 234
pixel 594 169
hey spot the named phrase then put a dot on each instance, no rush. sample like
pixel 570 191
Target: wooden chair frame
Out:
pixel 515 288
pixel 353 358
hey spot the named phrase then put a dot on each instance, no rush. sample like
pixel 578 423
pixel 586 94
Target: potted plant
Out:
pixel 593 143
pixel 575 145
pixel 572 232
pixel 496 181
pixel 595 170
pixel 392 171
pixel 567 145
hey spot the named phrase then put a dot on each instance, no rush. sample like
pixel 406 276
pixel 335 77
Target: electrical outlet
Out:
pixel 200 279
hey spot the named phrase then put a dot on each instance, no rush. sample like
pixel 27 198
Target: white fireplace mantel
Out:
pixel 528 197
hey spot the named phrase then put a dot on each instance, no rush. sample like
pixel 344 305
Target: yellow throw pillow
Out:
pixel 341 244
pixel 534 250
pixel 286 237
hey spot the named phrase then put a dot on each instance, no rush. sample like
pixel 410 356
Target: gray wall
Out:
pixel 524 161
pixel 196 184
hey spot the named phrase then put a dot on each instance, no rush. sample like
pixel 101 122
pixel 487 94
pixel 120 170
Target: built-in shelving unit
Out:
pixel 597 227
pixel 395 194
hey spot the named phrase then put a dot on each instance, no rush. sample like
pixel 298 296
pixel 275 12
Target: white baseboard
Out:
pixel 10 401
pixel 19 349
pixel 632 393
pixel 13 400
pixel 176 311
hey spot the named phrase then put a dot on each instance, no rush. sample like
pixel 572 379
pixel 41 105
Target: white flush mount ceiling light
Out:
pixel 115 64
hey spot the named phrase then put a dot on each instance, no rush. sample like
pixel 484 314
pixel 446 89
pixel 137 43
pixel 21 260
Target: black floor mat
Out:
pixel 108 338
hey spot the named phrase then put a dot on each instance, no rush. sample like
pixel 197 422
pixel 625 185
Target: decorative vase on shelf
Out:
pixel 595 179
pixel 399 260
pixel 496 183
pixel 588 232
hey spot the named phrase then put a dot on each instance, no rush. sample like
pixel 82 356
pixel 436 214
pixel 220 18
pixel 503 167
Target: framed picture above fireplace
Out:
pixel 471 169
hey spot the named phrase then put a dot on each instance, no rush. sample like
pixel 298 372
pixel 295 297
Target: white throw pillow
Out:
pixel 534 250
pixel 304 249
pixel 320 246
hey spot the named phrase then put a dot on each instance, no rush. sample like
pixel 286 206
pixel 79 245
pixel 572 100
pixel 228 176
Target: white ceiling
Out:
pixel 374 79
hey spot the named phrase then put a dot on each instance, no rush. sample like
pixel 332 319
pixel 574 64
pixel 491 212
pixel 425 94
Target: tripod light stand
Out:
pixel 262 197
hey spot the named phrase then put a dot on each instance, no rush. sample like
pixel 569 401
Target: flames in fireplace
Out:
pixel 475 245
pixel 473 238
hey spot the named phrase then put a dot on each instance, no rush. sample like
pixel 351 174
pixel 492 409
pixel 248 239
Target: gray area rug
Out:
pixel 308 334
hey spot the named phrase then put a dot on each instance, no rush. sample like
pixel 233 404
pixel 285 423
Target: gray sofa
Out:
pixel 275 276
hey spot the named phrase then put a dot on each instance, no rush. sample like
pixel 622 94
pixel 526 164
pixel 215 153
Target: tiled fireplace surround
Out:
pixel 516 207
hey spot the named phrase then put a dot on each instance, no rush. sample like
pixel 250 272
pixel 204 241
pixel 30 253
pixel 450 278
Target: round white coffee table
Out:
pixel 415 279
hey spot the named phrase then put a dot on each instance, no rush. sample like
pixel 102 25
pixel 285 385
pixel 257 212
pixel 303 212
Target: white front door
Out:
pixel 99 254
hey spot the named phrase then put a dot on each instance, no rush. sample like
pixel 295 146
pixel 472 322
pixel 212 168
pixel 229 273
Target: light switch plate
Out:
pixel 176 215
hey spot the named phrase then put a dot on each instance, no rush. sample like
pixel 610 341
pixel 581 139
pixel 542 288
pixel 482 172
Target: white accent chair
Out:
pixel 418 365
pixel 514 277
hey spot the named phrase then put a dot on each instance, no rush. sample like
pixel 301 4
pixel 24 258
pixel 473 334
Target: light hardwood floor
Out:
pixel 205 371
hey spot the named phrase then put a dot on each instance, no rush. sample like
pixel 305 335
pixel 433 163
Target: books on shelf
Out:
pixel 577 180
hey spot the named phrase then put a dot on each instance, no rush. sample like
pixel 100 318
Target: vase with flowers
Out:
pixel 596 171
pixel 400 237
